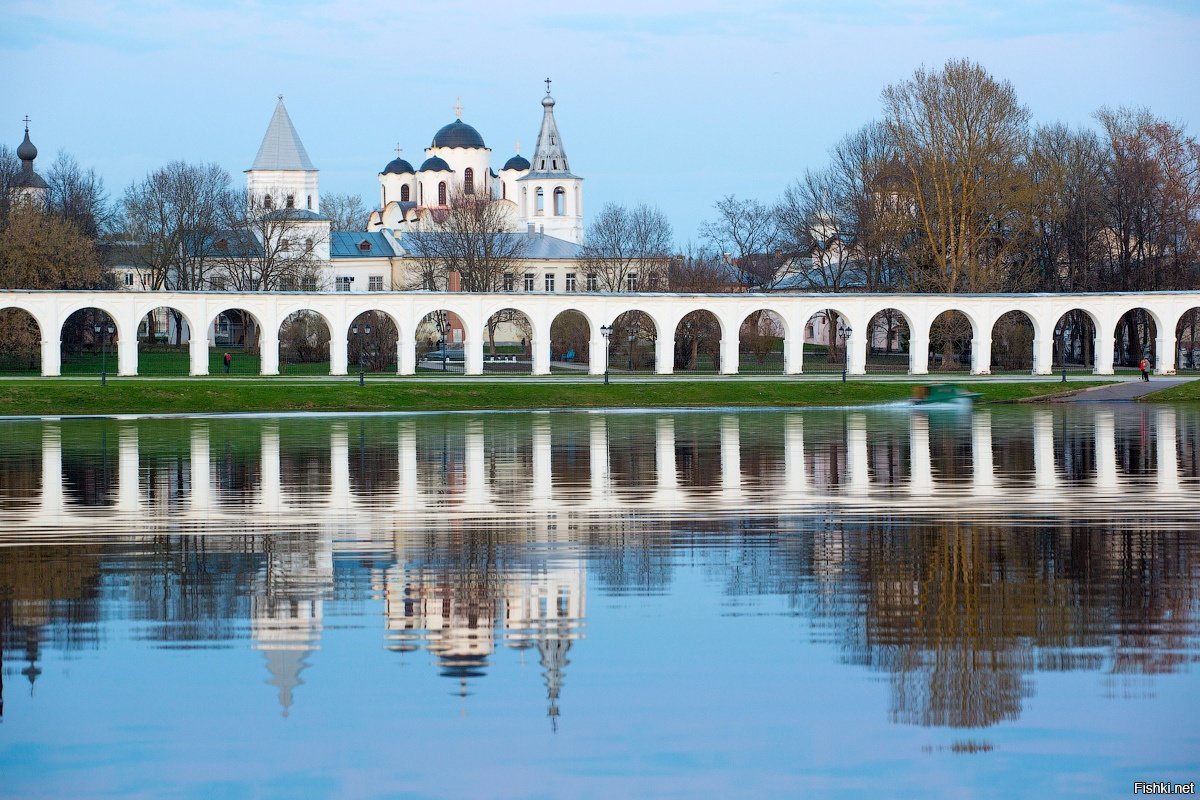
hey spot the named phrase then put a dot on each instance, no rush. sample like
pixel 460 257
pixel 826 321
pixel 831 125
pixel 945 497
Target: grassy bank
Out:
pixel 50 397
pixel 1183 393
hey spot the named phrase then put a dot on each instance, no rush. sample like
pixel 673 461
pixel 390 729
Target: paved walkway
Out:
pixel 1124 391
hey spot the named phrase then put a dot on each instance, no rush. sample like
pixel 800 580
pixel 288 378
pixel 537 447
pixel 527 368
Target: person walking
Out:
pixel 1144 366
pixel 228 362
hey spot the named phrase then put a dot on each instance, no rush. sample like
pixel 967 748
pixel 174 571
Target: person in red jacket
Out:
pixel 1144 366
pixel 228 362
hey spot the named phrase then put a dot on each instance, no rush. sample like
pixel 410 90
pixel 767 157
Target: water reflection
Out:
pixel 958 555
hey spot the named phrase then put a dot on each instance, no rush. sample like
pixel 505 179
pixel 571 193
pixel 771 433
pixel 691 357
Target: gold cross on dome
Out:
pixel 399 149
pixel 458 108
pixel 547 86
pixel 518 148
pixel 26 121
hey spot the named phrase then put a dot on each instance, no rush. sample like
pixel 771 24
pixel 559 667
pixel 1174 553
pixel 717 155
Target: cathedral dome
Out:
pixel 458 134
pixel 517 162
pixel 398 166
pixel 26 151
pixel 435 164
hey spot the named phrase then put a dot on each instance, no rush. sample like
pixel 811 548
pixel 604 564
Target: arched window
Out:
pixel 503 191
pixel 541 201
pixel 554 163
pixel 267 202
pixel 291 201
pixel 383 196
pixel 403 194
pixel 468 181
pixel 310 202
pixel 442 193
pixel 560 202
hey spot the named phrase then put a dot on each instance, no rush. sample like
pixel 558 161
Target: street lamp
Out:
pixel 632 339
pixel 366 329
pixel 104 331
pixel 606 332
pixel 846 331
pixel 1063 352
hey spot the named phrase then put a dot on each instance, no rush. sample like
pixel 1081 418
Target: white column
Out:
pixel 731 453
pixel 1103 348
pixel 200 468
pixel 406 352
pixel 541 355
pixel 664 352
pixel 920 479
pixel 271 490
pixel 981 354
pixel 1165 348
pixel 793 350
pixel 473 353
pixel 598 458
pixel 597 353
pixel 729 351
pixel 1045 476
pixel 1043 352
pixel 1106 452
pixel 127 353
pixel 51 356
pixel 542 445
pixel 268 350
pixel 918 348
pixel 475 465
pixel 1168 452
pixel 983 464
pixel 795 478
pixel 856 347
pixel 52 477
pixel 198 355
pixel 856 453
pixel 339 356
pixel 666 473
pixel 339 466
pixel 128 489
pixel 406 439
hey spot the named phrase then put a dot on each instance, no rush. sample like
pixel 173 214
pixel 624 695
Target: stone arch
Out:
pixel 570 339
pixel 697 339
pixel 237 331
pixel 1013 335
pixel 1135 336
pixel 823 337
pixel 762 341
pixel 163 333
pixel 888 341
pixel 373 342
pixel 83 350
pixel 20 342
pixel 634 340
pixel 1187 340
pixel 441 338
pixel 1074 342
pixel 304 340
pixel 952 332
pixel 508 340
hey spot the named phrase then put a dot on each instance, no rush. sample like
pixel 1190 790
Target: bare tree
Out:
pixel 627 247
pixel 747 234
pixel 266 249
pixel 10 167
pixel 346 212
pixel 79 195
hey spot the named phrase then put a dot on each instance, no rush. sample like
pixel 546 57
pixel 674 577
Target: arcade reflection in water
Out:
pixel 957 554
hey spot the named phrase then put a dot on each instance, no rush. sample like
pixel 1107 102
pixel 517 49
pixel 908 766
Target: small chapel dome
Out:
pixel 26 151
pixel 435 164
pixel 397 166
pixel 458 134
pixel 517 162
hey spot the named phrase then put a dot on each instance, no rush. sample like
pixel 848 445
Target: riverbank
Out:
pixel 205 395
pixel 1188 392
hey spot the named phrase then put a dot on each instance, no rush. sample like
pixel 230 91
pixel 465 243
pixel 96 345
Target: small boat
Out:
pixel 943 395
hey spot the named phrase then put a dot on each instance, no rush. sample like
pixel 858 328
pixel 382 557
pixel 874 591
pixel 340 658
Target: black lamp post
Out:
pixel 104 331
pixel 366 330
pixel 846 331
pixel 1064 353
pixel 606 332
pixel 632 339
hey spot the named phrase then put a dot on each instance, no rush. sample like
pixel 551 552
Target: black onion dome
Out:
pixel 398 166
pixel 435 164
pixel 517 162
pixel 26 151
pixel 458 134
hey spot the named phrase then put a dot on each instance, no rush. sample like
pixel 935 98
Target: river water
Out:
pixel 874 602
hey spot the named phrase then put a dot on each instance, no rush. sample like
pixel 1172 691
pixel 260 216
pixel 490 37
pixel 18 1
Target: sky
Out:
pixel 674 104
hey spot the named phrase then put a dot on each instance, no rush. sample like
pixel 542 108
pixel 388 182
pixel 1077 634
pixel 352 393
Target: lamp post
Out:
pixel 846 346
pixel 1063 353
pixel 606 332
pixel 104 331
pixel 366 330
pixel 632 339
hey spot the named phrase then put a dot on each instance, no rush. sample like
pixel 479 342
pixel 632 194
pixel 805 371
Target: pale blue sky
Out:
pixel 673 104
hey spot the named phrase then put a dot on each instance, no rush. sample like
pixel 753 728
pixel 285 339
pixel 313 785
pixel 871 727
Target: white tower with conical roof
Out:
pixel 282 175
pixel 550 196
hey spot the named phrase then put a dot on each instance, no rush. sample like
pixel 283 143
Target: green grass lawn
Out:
pixel 210 395
pixel 1183 393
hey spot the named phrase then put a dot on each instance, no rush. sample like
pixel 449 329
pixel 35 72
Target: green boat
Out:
pixel 943 395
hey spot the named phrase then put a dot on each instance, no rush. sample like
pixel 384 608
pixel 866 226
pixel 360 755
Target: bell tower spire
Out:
pixel 550 196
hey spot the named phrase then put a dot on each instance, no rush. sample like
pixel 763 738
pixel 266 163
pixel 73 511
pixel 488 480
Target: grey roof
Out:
pixel 517 162
pixel 281 147
pixel 347 244
pixel 397 166
pixel 296 215
pixel 547 175
pixel 458 134
pixel 549 154
pixel 28 179
pixel 537 245
pixel 435 164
